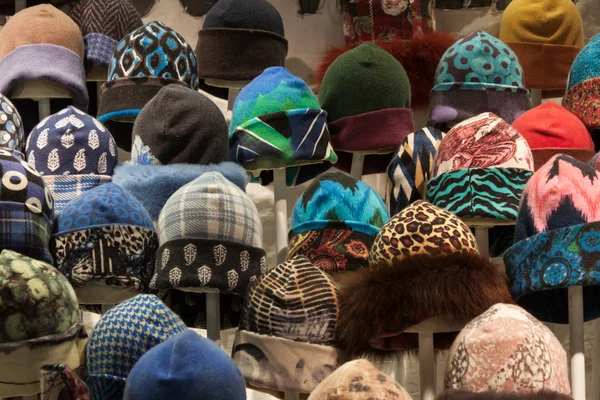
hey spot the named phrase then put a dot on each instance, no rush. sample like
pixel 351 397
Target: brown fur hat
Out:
pixel 462 395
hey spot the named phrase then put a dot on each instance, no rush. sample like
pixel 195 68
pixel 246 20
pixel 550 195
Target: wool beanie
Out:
pixel 277 122
pixel 550 129
pixel 556 241
pixel 411 168
pixel 366 94
pixel 479 73
pixel 359 380
pixel 12 136
pixel 480 170
pixel 493 395
pixel 425 264
pixel 240 39
pixel 505 349
pixel 104 238
pixel 546 36
pixel 73 152
pixel 39 323
pixel 185 367
pixel 121 337
pixel 43 43
pixel 335 221
pixel 103 24
pixel 59 382
pixel 285 342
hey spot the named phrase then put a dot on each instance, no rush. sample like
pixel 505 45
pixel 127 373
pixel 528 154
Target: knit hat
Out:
pixel 359 380
pixel 146 60
pixel 411 167
pixel 366 94
pixel 546 36
pixel 12 136
pixel 240 39
pixel 549 129
pixel 479 73
pixel 277 122
pixel 425 264
pixel 335 221
pixel 105 237
pixel 285 341
pixel 556 241
pixel 492 395
pixel 60 382
pixel 507 350
pixel 43 43
pixel 123 335
pixel 39 323
pixel 73 152
pixel 182 367
pixel 103 24
pixel 481 168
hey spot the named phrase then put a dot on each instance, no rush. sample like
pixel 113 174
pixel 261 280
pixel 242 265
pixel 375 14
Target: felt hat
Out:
pixel 185 366
pixel 335 221
pixel 475 153
pixel 411 167
pixel 240 39
pixel 366 94
pixel 546 36
pixel 425 264
pixel 12 135
pixel 557 241
pixel 73 152
pixel 121 337
pixel 60 382
pixel 505 349
pixel 549 129
pixel 285 341
pixel 477 74
pixel 493 395
pixel 103 24
pixel 42 42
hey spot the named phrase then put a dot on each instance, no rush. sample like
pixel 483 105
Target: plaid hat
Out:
pixel 277 122
pixel 479 73
pixel 505 349
pixel 481 168
pixel 73 152
pixel 121 337
pixel 411 167
pixel 12 136
pixel 285 341
pixel 335 221
pixel 105 237
pixel 557 241
pixel 60 382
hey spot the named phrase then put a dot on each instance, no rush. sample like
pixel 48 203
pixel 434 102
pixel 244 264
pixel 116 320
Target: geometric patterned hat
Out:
pixel 12 136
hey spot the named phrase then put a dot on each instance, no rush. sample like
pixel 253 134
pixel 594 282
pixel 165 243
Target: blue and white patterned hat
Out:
pixel 11 128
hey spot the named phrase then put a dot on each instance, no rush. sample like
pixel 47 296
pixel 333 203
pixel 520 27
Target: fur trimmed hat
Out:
pixel 492 395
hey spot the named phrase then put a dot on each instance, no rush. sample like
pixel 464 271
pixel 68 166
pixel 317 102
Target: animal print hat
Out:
pixel 286 337
pixel 424 264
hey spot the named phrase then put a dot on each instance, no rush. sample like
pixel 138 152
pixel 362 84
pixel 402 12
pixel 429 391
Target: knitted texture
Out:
pixel 239 14
pixel 12 136
pixel 584 67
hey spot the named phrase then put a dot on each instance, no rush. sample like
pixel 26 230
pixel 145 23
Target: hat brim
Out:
pixel 583 100
pixel 65 188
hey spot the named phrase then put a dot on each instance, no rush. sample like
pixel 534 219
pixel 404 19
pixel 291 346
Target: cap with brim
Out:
pixel 99 49
pixel 68 187
pixel 583 100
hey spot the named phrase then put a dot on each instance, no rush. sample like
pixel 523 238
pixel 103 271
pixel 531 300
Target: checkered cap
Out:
pixel 99 49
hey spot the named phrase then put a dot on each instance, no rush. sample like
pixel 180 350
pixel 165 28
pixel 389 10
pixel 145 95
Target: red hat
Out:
pixel 551 129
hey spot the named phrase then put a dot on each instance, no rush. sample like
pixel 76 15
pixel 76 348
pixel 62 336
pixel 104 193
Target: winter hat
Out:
pixel 42 42
pixel 39 323
pixel 481 168
pixel 73 152
pixel 359 380
pixel 479 73
pixel 59 382
pixel 146 60
pixel 366 94
pixel 103 24
pixel 335 221
pixel 505 349
pixel 185 366
pixel 123 335
pixel 285 341
pixel 546 36
pixel 424 264
pixel 105 237
pixel 492 395
pixel 12 136
pixel 556 241
pixel 549 129
pixel 240 39
pixel 277 122
pixel 411 167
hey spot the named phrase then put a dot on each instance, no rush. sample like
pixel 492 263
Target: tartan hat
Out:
pixel 335 221
pixel 277 122
pixel 480 170
pixel 285 341
pixel 12 136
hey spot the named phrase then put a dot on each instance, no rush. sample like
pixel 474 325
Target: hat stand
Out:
pixel 577 356
pixel 358 161
pixel 20 5
pixel 536 97
pixel 596 359
pixel 41 91
pixel 281 243
pixel 213 311
pixel 233 86
pixel 99 75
